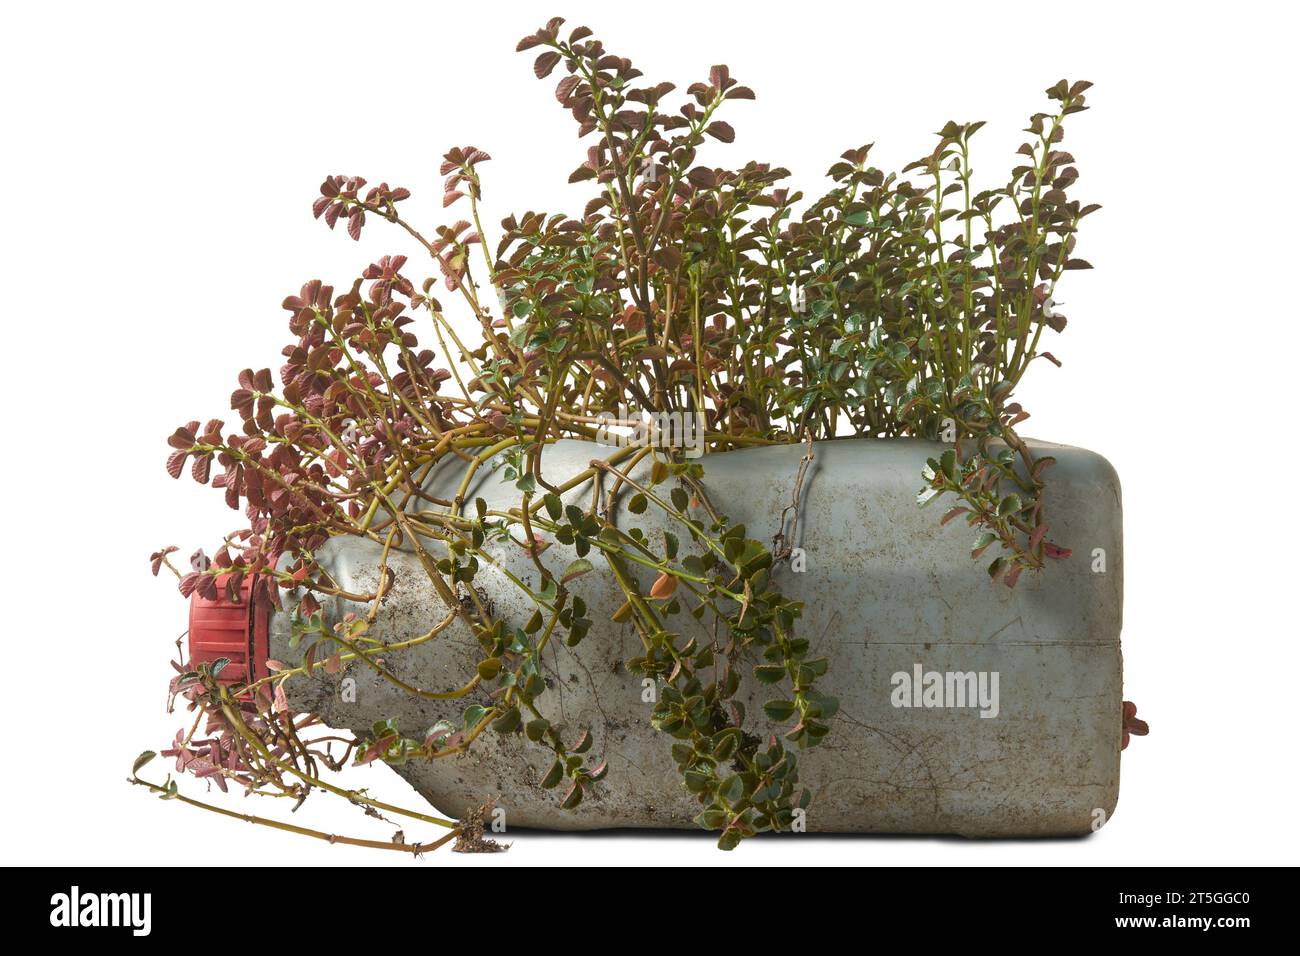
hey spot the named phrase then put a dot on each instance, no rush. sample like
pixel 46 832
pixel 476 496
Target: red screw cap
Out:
pixel 236 631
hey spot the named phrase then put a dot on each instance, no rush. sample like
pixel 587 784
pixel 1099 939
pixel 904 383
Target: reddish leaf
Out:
pixel 721 131
pixel 200 469
pixel 156 559
pixel 564 89
pixel 1131 724
pixel 175 462
pixel 545 63
pixel 1055 551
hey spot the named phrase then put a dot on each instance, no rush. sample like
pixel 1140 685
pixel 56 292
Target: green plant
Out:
pixel 895 305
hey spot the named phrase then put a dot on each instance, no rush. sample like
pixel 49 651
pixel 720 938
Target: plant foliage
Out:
pixel 896 304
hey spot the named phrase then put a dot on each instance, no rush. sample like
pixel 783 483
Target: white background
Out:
pixel 159 163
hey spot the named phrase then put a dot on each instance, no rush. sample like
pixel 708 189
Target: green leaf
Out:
pixel 822 705
pixel 712 819
pixel 769 673
pixel 948 464
pixel 725 743
pixel 576 569
pixel 141 760
pixel 554 775
pixel 696 781
pixel 732 789
pixel 507 722
pixel 670 545
pixel 982 541
pixel 779 710
pixel 474 713
pixel 730 838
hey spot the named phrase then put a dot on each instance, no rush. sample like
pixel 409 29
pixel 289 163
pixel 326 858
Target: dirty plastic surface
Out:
pixel 886 589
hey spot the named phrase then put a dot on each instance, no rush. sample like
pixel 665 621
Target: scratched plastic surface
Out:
pixel 886 589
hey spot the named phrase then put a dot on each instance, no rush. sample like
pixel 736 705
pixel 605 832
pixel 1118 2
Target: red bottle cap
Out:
pixel 236 631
